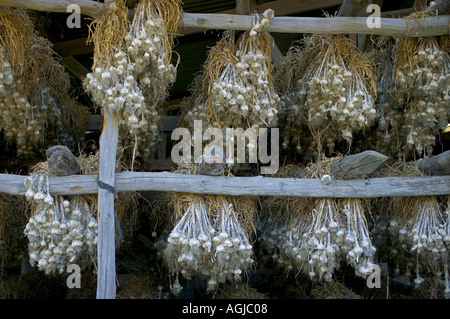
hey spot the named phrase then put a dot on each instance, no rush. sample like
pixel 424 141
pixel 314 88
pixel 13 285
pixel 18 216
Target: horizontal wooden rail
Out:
pixel 252 186
pixel 344 25
pixel 338 25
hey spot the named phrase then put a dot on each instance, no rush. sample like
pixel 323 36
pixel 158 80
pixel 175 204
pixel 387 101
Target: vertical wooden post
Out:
pixel 106 242
pixel 106 246
pixel 420 5
pixel 352 8
pixel 242 7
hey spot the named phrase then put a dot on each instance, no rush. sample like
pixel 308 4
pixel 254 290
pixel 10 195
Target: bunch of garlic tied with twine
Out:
pixel 422 89
pixel 237 86
pixel 209 241
pixel 35 108
pixel 334 83
pixel 420 226
pixel 116 88
pixel 131 78
pixel 149 44
pixel 60 231
pixel 319 236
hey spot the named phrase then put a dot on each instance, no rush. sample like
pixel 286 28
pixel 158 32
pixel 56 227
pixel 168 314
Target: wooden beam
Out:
pixel 353 8
pixel 420 5
pixel 290 7
pixel 106 251
pixel 338 25
pixel 242 7
pixel 88 7
pixel 252 186
pixel 75 67
pixel 73 47
pixel 106 242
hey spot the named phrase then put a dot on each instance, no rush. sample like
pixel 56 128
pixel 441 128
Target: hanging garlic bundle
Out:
pixel 255 71
pixel 16 30
pixel 34 104
pixel 116 88
pixel 191 238
pixel 419 226
pixel 233 251
pixel 414 84
pixel 422 89
pixel 207 103
pixel 359 249
pixel 336 84
pixel 236 87
pixel 318 234
pixel 150 43
pixel 132 68
pixel 112 83
pixel 209 239
pixel 60 231
pixel 211 236
pixel 386 129
pixel 273 226
pixel 316 241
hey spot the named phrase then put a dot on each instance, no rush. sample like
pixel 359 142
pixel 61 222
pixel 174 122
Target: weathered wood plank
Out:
pixel 88 7
pixel 353 8
pixel 106 250
pixel 365 163
pixel 338 25
pixel 253 186
pixel 75 67
pixel 290 7
pixel 73 47
pixel 437 165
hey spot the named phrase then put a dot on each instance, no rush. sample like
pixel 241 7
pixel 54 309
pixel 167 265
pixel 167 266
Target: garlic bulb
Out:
pixel 6 74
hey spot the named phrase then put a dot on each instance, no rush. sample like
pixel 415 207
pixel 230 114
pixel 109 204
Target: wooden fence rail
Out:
pixel 252 186
pixel 338 25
